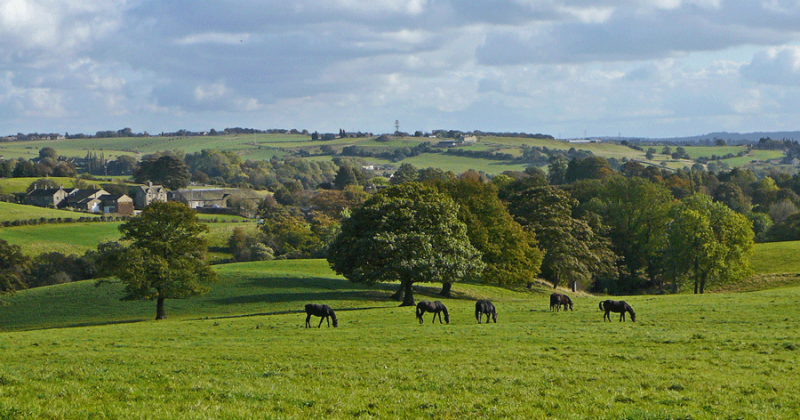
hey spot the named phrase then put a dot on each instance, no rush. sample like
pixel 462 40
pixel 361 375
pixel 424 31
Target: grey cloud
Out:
pixel 774 67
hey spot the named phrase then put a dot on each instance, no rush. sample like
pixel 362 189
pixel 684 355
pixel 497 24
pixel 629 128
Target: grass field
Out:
pixel 11 212
pixel 77 238
pixel 237 354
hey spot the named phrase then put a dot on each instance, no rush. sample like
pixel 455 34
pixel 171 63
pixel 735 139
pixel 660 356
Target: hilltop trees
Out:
pixel 166 256
pixel 407 232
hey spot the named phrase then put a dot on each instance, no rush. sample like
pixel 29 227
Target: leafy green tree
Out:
pixel 14 268
pixel 48 152
pixel 509 252
pixel 708 243
pixel 573 251
pixel 289 233
pixel 346 175
pixel 557 169
pixel 407 232
pixel 405 173
pixel 165 258
pixel 165 169
pixel 636 211
pixel 593 167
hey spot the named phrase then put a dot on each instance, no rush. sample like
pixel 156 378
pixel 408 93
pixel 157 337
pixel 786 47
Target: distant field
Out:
pixel 777 257
pixel 77 238
pixel 242 352
pixel 11 212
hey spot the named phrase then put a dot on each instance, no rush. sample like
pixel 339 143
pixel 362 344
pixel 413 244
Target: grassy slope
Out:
pixel 701 357
pixel 11 212
pixel 77 238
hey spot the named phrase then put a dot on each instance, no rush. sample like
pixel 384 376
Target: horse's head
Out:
pixel 446 317
pixel 335 321
pixel 633 315
pixel 494 317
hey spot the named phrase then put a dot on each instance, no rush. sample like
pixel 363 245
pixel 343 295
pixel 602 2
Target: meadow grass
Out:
pixel 20 185
pixel 11 211
pixel 776 257
pixel 698 356
pixel 77 238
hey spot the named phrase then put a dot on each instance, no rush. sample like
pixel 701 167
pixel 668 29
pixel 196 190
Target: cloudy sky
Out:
pixel 656 68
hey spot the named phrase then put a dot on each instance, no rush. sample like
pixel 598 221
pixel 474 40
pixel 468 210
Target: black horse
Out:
pixel 485 307
pixel 566 301
pixel 557 300
pixel 436 307
pixel 619 307
pixel 323 311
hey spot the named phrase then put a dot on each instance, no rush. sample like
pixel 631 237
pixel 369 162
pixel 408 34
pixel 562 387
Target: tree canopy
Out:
pixel 14 267
pixel 707 243
pixel 408 232
pixel 573 250
pixel 165 258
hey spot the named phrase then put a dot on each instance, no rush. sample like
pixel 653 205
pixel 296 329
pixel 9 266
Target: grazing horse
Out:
pixel 558 299
pixel 436 307
pixel 485 307
pixel 566 301
pixel 555 301
pixel 323 311
pixel 617 307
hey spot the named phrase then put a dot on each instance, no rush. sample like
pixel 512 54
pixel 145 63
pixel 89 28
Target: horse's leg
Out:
pixel 622 316
pixel 320 322
pixel 308 321
pixel 328 318
pixel 480 317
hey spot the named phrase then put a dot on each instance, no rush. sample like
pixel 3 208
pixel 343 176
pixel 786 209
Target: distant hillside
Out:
pixel 737 137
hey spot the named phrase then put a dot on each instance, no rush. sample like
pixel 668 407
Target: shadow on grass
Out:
pixel 303 297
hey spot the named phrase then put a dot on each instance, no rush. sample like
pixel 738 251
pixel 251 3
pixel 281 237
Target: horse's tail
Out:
pixel 601 305
pixel 419 312
pixel 478 310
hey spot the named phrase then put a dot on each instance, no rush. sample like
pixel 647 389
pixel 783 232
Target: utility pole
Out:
pixel 396 126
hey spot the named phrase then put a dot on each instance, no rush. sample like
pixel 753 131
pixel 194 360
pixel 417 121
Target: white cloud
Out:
pixel 213 38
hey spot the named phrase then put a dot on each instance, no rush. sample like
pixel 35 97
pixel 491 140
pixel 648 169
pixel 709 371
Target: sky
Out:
pixel 569 68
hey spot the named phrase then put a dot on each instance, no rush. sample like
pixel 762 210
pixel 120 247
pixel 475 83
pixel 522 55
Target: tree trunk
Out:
pixel 398 295
pixel 446 289
pixel 160 314
pixel 702 284
pixel 408 299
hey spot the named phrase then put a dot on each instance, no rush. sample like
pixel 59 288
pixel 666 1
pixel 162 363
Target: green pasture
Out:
pixel 77 238
pixel 241 352
pixel 20 185
pixel 777 257
pixel 753 155
pixel 461 164
pixel 11 211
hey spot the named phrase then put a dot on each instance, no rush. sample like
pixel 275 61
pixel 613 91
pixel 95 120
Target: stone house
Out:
pixel 49 197
pixel 146 194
